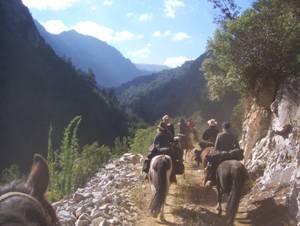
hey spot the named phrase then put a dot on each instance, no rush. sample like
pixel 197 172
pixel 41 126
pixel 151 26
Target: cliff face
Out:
pixel 271 139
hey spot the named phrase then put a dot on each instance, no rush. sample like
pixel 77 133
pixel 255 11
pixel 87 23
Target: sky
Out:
pixel 164 32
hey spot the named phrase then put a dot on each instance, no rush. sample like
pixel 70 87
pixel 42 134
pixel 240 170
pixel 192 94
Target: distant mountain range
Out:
pixel 151 68
pixel 110 67
pixel 181 91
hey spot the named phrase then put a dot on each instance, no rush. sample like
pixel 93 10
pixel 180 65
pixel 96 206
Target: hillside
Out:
pixel 86 52
pixel 179 91
pixel 151 68
pixel 37 88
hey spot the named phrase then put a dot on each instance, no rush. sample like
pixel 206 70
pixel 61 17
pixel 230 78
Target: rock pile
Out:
pixel 105 199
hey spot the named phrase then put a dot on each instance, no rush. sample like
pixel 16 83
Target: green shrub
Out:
pixel 10 174
pixel 142 140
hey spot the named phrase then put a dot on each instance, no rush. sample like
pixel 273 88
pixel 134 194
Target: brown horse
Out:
pixel 203 158
pixel 159 178
pixel 24 203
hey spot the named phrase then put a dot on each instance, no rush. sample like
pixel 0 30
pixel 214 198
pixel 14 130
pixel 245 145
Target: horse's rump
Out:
pixel 159 177
pixel 231 176
pixel 207 151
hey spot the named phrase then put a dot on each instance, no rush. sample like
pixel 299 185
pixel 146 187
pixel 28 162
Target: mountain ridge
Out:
pixel 87 52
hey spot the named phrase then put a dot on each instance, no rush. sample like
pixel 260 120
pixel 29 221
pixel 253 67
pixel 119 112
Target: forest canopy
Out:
pixel 250 50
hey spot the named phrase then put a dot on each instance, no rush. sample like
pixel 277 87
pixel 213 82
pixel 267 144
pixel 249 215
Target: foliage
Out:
pixel 142 140
pixel 237 117
pixel 121 146
pixel 86 165
pixel 68 155
pixel 260 45
pixel 73 166
pixel 10 174
pixel 229 9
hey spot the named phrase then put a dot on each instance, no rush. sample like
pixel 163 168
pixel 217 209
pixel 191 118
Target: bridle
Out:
pixel 33 200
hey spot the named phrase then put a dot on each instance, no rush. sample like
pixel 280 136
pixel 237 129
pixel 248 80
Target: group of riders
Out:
pixel 165 142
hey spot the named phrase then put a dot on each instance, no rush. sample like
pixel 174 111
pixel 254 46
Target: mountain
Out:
pixel 39 89
pixel 179 92
pixel 151 68
pixel 110 67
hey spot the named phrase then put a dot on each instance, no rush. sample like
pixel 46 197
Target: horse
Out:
pixel 159 178
pixel 24 203
pixel 231 176
pixel 185 144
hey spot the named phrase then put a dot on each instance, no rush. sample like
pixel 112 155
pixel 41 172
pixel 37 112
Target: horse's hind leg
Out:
pixel 219 200
pixel 162 213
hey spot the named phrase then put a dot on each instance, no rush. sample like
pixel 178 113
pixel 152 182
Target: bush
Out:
pixel 142 140
pixel 10 174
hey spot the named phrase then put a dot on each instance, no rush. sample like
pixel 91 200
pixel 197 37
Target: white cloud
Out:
pixel 123 35
pixel 145 17
pixel 91 28
pixel 181 36
pixel 141 53
pixel 107 2
pixel 49 4
pixel 160 34
pixel 171 6
pixel 55 26
pixel 175 61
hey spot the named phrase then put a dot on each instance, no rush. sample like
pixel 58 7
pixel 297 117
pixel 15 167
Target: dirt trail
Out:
pixel 188 203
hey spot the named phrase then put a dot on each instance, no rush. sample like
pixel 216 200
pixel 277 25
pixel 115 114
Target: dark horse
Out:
pixel 24 203
pixel 230 179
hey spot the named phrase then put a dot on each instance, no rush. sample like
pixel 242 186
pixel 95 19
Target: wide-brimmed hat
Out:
pixel 212 122
pixel 162 126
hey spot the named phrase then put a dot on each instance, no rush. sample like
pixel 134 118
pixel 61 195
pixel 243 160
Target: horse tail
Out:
pixel 161 189
pixel 235 194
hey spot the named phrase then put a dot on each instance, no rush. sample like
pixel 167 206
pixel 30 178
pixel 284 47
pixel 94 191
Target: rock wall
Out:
pixel 271 139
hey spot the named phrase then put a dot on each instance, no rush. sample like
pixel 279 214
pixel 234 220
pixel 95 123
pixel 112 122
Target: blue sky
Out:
pixel 165 32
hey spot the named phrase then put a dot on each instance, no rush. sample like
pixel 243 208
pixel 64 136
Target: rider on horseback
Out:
pixel 208 138
pixel 226 147
pixel 170 126
pixel 163 144
pixel 210 134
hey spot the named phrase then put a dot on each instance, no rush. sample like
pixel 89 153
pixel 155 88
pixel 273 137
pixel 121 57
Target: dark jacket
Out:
pixel 163 139
pixel 171 130
pixel 210 134
pixel 226 141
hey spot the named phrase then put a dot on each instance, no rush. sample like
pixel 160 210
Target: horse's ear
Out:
pixel 38 179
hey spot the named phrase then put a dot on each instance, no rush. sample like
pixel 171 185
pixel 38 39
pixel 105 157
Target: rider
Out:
pixel 163 145
pixel 208 138
pixel 166 119
pixel 225 142
pixel 210 134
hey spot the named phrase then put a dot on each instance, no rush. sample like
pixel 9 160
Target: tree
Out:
pixel 260 46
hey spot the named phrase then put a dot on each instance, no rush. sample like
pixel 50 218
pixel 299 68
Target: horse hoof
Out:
pixel 162 219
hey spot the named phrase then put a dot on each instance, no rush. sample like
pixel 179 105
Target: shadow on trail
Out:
pixel 198 195
pixel 199 217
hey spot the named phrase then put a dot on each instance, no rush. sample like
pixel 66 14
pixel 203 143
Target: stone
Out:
pixel 78 197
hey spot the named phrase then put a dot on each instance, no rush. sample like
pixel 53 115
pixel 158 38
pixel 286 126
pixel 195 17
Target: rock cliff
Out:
pixel 271 139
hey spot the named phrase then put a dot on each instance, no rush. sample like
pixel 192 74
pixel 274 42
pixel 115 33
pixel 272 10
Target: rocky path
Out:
pixel 118 196
pixel 190 204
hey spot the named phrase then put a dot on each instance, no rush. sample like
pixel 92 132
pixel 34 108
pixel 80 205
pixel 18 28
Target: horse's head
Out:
pixel 24 203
